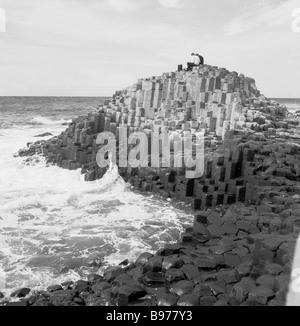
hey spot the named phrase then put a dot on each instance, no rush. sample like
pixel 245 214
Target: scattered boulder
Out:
pixel 46 134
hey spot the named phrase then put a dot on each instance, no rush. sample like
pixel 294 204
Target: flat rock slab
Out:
pixel 190 271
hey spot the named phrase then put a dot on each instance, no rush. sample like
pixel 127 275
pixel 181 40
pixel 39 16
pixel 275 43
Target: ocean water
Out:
pixel 55 227
pixel 293 104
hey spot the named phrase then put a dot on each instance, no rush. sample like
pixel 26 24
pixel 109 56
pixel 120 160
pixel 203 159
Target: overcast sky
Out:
pixel 94 47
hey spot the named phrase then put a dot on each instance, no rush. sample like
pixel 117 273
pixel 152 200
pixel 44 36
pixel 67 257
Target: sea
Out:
pixel 54 226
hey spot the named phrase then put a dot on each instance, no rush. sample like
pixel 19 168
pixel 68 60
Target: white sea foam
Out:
pixel 39 120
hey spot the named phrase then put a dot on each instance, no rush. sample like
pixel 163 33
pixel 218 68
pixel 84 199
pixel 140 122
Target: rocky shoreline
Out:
pixel 238 264
pixel 240 248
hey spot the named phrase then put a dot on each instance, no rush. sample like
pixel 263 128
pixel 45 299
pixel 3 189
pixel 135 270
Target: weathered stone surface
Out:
pixel 63 298
pixel 229 228
pixel 187 300
pixel 166 299
pixel 202 290
pixel 129 293
pixel 206 262
pixel 214 218
pixel 241 289
pixel 207 301
pixel 100 286
pixel 143 258
pixel 152 277
pixel 218 287
pixel 42 302
pixel 267 281
pixel 232 260
pixel 261 294
pixel 182 287
pixel 20 293
pixel 190 271
pixel 81 286
pixel 54 288
pixel 174 274
pixel 171 262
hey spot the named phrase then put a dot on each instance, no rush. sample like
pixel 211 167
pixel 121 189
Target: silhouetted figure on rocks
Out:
pixel 200 58
pixel 195 62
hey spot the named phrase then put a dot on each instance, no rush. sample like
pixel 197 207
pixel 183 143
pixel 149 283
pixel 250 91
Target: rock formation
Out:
pixel 239 250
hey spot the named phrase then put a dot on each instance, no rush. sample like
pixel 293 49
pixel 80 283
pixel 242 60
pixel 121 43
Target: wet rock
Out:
pixel 94 277
pixel 124 262
pixel 190 271
pixel 261 295
pixel 136 273
pixel 174 274
pixel 54 288
pixel 219 250
pixel 143 258
pixel 156 289
pixel 100 286
pixel 111 274
pixel 63 298
pixel 166 299
pixel 154 264
pixel 122 279
pixel 20 293
pixel 46 134
pixel 171 262
pixel 206 262
pixel 188 300
pixel 129 293
pixel 202 216
pixel 182 287
pixel 154 277
pixel 81 286
pixel 67 285
pixel 170 250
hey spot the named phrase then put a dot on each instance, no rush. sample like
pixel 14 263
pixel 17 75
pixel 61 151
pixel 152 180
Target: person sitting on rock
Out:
pixel 195 62
pixel 200 58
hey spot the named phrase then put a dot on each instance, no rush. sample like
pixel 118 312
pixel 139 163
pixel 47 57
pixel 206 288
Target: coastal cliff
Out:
pixel 239 250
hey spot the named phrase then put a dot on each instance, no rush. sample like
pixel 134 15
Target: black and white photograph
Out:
pixel 149 155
